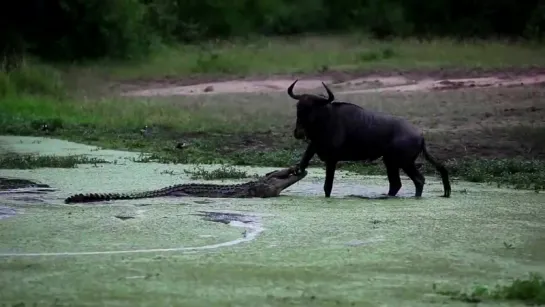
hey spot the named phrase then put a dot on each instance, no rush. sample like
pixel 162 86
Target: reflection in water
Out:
pixel 226 217
pixel 19 183
pixel 351 188
pixel 6 212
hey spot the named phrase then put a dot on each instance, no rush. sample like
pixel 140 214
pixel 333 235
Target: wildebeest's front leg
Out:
pixel 330 167
pixel 307 156
pixel 392 169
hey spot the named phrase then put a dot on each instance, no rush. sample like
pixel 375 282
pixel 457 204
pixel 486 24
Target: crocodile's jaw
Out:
pixel 282 184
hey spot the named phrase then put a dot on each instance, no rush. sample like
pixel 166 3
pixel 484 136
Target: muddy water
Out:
pixel 125 175
pixel 385 251
pixel 46 224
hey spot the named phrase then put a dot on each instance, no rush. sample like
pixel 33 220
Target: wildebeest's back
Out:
pixel 367 134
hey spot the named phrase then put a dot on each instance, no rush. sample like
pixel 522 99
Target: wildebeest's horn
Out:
pixel 330 96
pixel 290 91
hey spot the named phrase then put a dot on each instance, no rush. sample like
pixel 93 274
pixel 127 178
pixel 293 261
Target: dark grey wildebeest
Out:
pixel 342 131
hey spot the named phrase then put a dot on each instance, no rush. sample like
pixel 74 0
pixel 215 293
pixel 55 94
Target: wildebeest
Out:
pixel 342 131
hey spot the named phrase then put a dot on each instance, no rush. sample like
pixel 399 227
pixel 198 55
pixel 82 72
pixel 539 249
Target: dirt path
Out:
pixel 342 82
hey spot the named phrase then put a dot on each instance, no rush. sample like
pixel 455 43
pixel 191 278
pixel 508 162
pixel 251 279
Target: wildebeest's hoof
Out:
pixel 386 196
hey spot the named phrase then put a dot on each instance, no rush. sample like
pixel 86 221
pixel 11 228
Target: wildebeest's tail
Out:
pixel 440 167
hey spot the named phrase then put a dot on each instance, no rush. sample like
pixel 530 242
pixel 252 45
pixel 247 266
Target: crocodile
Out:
pixel 270 185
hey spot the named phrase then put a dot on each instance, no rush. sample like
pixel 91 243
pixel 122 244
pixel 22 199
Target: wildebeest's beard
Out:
pixel 309 122
pixel 302 116
pixel 299 131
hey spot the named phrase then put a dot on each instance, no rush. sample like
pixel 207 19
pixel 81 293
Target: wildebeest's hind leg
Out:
pixel 392 170
pixel 417 178
pixel 330 167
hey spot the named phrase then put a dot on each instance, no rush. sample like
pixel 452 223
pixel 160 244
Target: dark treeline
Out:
pixel 84 29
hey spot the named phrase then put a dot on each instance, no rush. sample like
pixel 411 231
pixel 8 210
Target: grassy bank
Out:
pixel 310 54
pixel 28 161
pixel 529 290
pixel 490 134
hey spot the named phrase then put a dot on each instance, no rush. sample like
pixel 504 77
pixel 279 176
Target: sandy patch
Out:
pixel 452 84
pixel 211 88
pixel 359 85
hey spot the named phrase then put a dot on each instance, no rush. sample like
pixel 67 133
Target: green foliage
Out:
pixel 34 79
pixel 530 291
pixel 527 174
pixel 79 29
pixel 28 161
pixel 535 27
pixel 223 172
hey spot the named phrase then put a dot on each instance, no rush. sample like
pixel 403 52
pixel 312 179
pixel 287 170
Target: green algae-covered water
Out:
pixel 297 249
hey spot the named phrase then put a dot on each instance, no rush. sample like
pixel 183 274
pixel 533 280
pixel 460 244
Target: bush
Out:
pixel 34 79
pixel 71 30
pixel 80 29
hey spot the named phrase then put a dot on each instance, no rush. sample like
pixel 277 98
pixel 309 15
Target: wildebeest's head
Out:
pixel 307 107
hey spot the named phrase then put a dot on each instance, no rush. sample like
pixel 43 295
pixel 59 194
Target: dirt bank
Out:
pixel 343 82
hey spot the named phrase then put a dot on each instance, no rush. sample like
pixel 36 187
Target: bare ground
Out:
pixel 334 76
pixel 486 113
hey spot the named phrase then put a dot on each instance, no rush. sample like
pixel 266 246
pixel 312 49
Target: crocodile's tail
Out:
pixel 92 197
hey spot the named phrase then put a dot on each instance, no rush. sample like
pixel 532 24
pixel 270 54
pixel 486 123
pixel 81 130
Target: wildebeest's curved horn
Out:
pixel 330 96
pixel 290 91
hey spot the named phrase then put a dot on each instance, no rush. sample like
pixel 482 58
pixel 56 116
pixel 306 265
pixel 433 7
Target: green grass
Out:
pixel 30 161
pixel 32 78
pixel 216 130
pixel 222 172
pixel 517 173
pixel 255 129
pixel 530 290
pixel 310 54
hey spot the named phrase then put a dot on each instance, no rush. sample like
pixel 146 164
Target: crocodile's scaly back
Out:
pixel 192 189
pixel 268 186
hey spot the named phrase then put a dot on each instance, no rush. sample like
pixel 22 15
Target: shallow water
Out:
pixel 126 175
pixel 339 249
